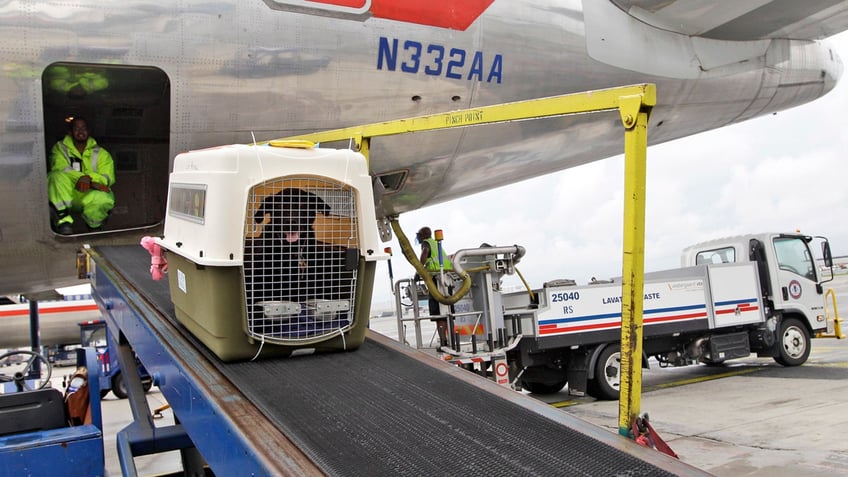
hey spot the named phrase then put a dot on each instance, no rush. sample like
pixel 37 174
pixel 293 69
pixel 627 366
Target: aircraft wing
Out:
pixel 743 20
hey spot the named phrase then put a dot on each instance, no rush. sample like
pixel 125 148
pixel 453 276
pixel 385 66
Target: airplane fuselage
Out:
pixel 159 78
pixel 58 322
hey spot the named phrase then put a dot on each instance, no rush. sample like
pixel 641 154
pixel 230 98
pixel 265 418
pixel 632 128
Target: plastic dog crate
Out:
pixel 272 249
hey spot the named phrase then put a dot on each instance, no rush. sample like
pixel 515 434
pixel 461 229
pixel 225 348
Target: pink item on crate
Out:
pixel 158 263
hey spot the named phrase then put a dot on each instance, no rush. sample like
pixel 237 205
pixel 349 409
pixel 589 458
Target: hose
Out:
pixel 422 271
pixel 526 286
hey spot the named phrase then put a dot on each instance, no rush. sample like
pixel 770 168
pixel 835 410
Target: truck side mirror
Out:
pixel 828 258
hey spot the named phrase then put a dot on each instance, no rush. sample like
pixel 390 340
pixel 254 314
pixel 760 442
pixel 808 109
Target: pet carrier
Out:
pixel 272 249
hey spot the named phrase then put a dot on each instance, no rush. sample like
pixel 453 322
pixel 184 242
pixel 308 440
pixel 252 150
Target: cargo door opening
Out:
pixel 127 109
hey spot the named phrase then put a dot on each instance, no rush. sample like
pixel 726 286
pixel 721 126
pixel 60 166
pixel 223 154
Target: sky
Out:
pixel 777 173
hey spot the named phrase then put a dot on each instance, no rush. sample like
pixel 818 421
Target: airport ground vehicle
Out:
pixel 35 435
pixel 757 293
pixel 95 334
pixel 61 354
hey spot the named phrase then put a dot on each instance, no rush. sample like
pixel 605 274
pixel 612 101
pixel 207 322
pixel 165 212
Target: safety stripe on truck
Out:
pixel 736 306
pixel 607 321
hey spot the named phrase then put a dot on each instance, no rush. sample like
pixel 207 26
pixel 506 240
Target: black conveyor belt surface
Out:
pixel 378 411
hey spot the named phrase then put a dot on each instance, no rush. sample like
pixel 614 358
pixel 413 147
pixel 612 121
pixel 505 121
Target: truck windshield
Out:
pixel 95 337
pixel 794 256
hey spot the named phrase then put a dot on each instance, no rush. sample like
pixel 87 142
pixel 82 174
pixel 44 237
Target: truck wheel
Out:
pixel 119 387
pixel 543 388
pixel 793 343
pixel 607 381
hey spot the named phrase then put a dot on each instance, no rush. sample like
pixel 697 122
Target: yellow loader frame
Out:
pixel 634 104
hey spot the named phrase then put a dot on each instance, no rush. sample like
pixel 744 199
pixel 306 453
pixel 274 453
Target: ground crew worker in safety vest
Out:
pixel 80 179
pixel 430 259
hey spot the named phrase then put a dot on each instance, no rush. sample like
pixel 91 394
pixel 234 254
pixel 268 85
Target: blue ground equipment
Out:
pixel 35 436
pixel 95 334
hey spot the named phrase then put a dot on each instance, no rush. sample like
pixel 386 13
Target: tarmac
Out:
pixel 751 418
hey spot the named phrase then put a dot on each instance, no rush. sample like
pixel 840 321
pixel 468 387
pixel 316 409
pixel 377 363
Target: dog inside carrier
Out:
pixel 301 254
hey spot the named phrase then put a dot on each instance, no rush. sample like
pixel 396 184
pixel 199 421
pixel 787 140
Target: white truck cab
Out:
pixel 790 278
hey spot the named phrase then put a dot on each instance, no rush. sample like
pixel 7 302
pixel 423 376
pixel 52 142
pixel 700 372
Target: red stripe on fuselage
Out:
pixel 57 309
pixel 453 14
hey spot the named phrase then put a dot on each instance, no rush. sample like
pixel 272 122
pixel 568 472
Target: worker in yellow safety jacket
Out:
pixel 430 259
pixel 80 179
pixel 430 252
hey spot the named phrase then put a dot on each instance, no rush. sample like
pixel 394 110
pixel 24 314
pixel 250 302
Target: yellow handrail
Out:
pixel 837 322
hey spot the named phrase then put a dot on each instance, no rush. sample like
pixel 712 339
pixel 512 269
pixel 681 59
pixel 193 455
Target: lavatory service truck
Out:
pixel 734 296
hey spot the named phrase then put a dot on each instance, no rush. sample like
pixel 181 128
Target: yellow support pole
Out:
pixel 634 115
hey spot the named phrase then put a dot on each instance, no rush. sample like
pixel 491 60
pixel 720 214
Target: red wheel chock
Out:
pixel 645 435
